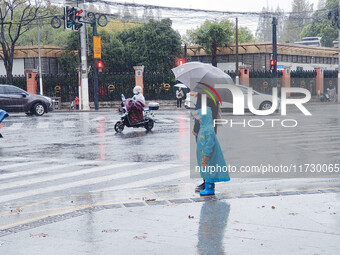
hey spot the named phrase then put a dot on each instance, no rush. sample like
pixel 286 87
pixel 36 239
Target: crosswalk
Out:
pixel 23 179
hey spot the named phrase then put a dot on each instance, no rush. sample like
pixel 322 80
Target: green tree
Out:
pixel 244 35
pixel 321 26
pixel 16 16
pixel 154 44
pixel 112 52
pixel 297 20
pixel 48 35
pixel 213 34
pixel 264 26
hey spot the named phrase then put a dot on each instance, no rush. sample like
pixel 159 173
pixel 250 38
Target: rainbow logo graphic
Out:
pixel 210 94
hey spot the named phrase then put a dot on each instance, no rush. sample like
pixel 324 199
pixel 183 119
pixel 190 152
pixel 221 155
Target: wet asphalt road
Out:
pixel 66 160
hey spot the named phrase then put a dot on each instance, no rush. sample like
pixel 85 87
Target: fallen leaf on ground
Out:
pixel 139 237
pixel 38 235
pixel 191 217
pixel 110 230
pixel 273 207
pixel 152 199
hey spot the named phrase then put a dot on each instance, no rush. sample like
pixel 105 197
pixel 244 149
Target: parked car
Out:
pixel 14 99
pixel 260 101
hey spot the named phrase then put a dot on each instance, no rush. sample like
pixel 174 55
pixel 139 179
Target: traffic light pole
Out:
pixel 274 72
pixel 95 73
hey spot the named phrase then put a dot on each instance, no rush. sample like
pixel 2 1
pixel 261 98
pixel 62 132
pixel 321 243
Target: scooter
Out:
pixel 3 115
pixel 329 96
pixel 147 122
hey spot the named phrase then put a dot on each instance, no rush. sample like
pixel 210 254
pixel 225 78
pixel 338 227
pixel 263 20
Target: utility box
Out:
pixel 56 101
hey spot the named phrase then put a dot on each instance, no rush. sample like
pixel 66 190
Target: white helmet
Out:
pixel 137 90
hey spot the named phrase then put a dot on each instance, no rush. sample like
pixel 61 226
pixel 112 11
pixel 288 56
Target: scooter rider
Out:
pixel 135 106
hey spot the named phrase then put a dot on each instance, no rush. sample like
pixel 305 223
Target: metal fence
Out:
pixel 303 79
pixel 18 80
pixel 331 79
pixel 262 81
pixel 111 86
pixel 159 86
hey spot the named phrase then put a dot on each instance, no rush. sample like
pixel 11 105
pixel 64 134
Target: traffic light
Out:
pixel 100 66
pixel 78 16
pixel 180 61
pixel 70 17
pixel 272 64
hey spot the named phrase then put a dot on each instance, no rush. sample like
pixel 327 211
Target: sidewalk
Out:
pixel 304 222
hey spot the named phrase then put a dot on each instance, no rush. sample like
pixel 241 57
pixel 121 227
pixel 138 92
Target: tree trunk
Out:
pixel 9 78
pixel 214 54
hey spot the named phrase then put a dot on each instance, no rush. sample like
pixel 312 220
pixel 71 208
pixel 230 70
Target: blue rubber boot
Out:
pixel 209 189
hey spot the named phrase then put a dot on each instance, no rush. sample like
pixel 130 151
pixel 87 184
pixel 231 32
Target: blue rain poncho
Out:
pixel 208 145
pixel 3 115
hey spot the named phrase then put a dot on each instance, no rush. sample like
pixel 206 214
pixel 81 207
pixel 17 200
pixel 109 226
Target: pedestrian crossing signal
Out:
pixel 272 64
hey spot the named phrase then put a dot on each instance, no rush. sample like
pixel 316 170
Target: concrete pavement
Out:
pixel 305 222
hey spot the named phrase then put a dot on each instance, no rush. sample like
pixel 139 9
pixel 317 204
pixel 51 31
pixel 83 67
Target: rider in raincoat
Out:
pixel 210 160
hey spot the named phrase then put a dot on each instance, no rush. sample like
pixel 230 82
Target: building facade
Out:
pixel 26 58
pixel 258 56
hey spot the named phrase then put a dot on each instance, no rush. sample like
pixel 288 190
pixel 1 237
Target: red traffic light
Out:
pixel 272 62
pixel 100 65
pixel 181 61
pixel 79 12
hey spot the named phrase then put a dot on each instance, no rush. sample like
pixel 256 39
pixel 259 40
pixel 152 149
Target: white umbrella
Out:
pixel 180 85
pixel 203 77
pixel 193 72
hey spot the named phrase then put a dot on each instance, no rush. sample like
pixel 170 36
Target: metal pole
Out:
pixel 274 74
pixel 339 55
pixel 95 73
pixel 84 95
pixel 39 56
pixel 237 78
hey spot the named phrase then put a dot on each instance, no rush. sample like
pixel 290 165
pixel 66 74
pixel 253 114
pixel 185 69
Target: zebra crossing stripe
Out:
pixel 35 180
pixel 19 165
pixel 43 125
pixel 147 182
pixel 85 182
pixel 15 126
pixel 44 169
pixel 69 124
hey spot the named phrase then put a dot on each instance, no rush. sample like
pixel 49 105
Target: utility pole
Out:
pixel 84 90
pixel 237 78
pixel 274 73
pixel 39 56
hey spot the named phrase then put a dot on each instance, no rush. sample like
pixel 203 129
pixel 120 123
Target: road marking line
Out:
pixel 41 170
pixel 43 125
pixel 13 159
pixel 329 152
pixel 85 182
pixel 34 180
pixel 69 124
pixel 26 164
pixel 15 126
pixel 146 182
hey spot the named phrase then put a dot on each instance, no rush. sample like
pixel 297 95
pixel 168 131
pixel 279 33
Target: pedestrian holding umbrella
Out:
pixel 203 78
